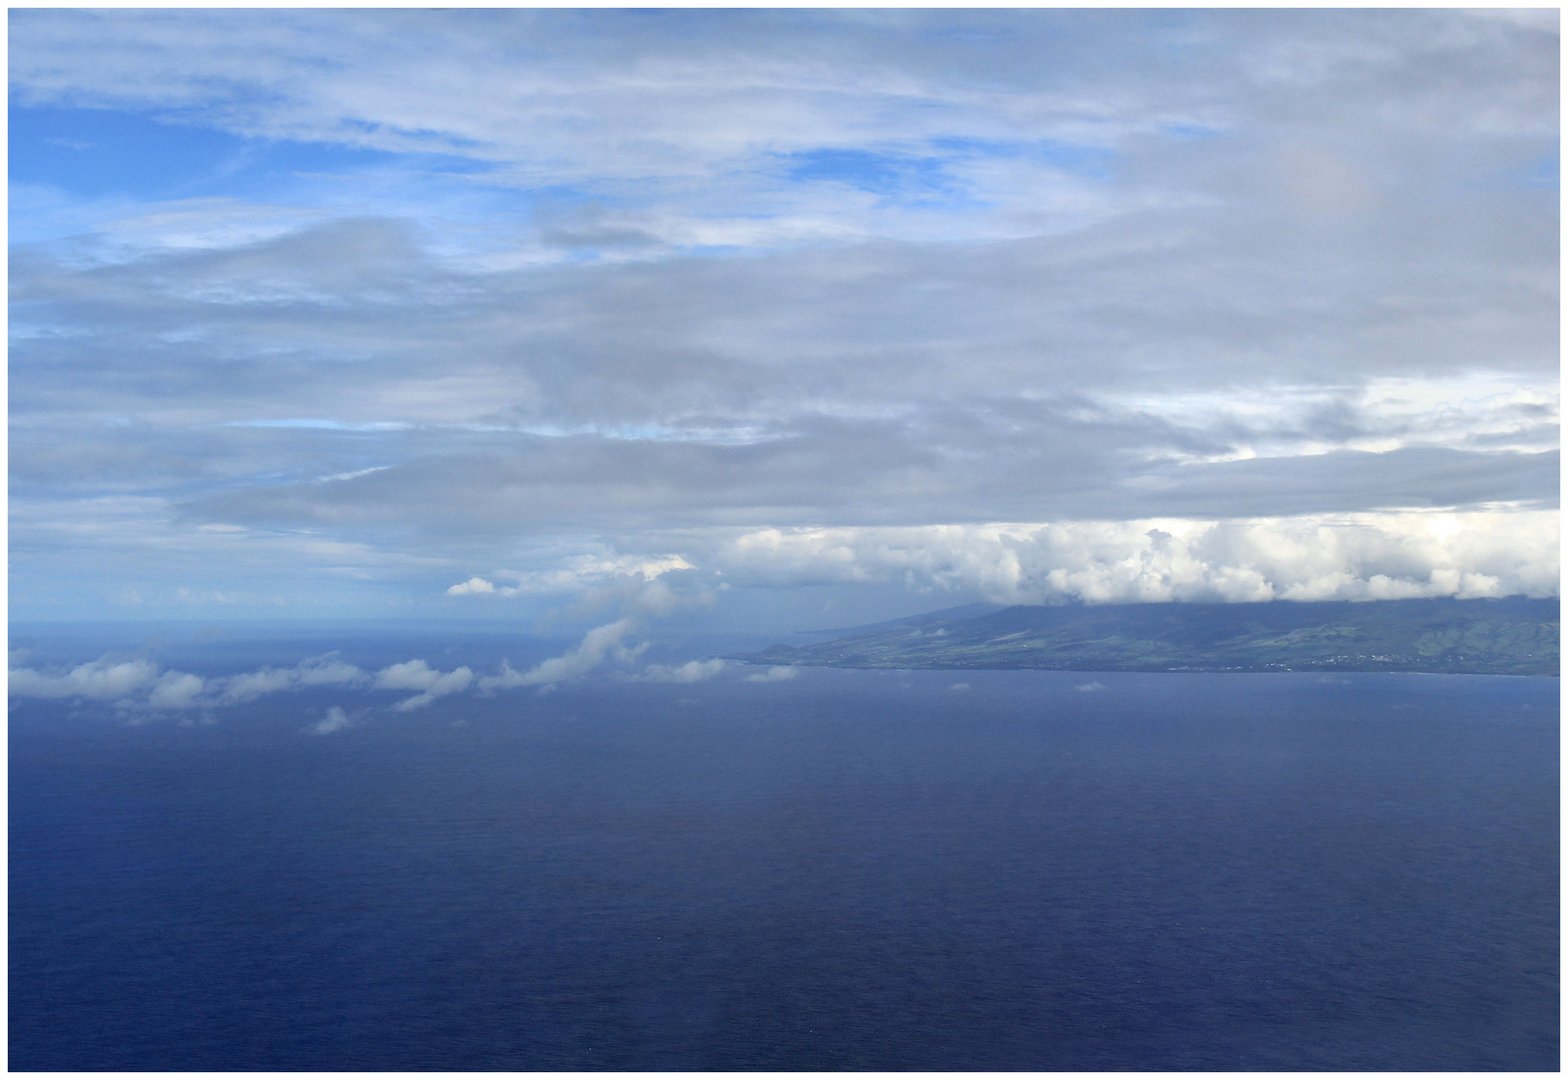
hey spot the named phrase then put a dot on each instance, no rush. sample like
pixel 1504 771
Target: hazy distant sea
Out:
pixel 846 870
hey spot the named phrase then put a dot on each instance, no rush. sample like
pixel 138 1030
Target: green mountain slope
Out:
pixel 1513 636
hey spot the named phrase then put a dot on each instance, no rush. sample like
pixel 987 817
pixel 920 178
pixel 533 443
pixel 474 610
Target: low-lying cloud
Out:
pixel 98 680
pixel 321 671
pixel 1346 557
pixel 176 690
pixel 773 674
pixel 418 675
pixel 596 645
pixel 1384 556
pixel 692 671
pixel 141 685
pixel 334 721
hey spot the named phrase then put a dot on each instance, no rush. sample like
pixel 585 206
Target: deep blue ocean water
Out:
pixel 846 870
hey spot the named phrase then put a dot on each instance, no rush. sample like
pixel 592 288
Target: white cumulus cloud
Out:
pixel 144 685
pixel 98 680
pixel 690 672
pixel 597 644
pixel 176 690
pixel 1363 556
pixel 418 675
pixel 334 721
pixel 773 674
pixel 319 671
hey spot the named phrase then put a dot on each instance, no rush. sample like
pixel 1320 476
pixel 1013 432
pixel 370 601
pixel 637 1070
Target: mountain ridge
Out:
pixel 1504 636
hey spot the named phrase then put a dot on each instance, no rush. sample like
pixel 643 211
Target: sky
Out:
pixel 772 319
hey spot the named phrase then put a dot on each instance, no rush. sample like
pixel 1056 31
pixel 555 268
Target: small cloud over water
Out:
pixel 335 720
pixel 773 674
pixel 690 672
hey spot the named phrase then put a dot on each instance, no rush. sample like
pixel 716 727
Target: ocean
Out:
pixel 841 870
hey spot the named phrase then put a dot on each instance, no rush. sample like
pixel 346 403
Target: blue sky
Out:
pixel 777 317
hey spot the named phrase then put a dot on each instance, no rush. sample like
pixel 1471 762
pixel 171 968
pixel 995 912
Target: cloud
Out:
pixel 98 680
pixel 144 687
pixel 325 671
pixel 698 94
pixel 176 690
pixel 1346 557
pixel 334 721
pixel 599 580
pixel 320 671
pixel 939 465
pixel 418 675
pixel 773 674
pixel 254 684
pixel 690 672
pixel 144 684
pixel 846 271
pixel 597 645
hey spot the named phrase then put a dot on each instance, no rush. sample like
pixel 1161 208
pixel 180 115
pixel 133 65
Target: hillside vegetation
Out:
pixel 1513 636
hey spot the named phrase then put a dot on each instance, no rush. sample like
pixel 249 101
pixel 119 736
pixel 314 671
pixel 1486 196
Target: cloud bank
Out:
pixel 1340 557
pixel 140 687
pixel 696 287
pixel 1349 557
pixel 99 680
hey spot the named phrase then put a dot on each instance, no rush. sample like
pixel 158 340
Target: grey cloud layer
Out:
pixel 698 342
pixel 922 377
pixel 638 310
pixel 880 476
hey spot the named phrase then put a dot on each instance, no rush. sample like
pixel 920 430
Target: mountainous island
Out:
pixel 1511 636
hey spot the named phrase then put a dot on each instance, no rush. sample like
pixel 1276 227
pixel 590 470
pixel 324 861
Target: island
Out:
pixel 1506 636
